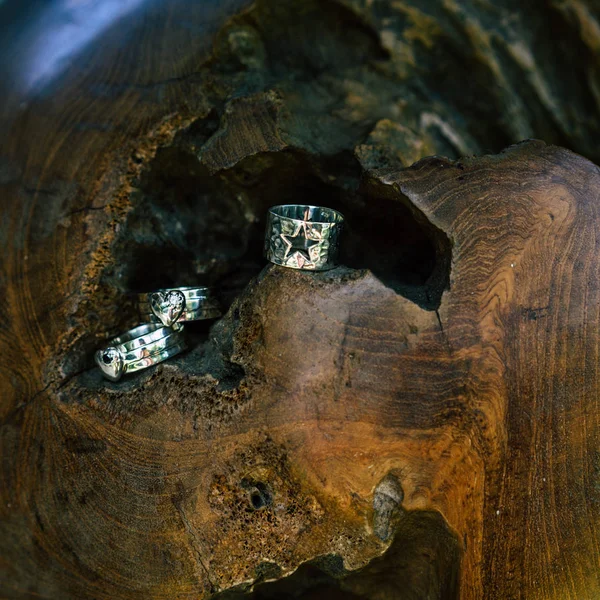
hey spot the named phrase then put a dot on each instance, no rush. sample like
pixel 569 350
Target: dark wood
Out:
pixel 421 422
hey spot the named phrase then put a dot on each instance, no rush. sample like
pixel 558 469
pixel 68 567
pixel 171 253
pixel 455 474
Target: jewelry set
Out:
pixel 297 236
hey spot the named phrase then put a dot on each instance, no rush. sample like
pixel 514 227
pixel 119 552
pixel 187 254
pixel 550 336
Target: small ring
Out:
pixel 178 305
pixel 139 348
pixel 305 237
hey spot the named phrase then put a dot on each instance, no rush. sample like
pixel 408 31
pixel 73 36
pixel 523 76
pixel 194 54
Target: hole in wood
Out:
pixel 257 500
pixel 422 562
pixel 260 494
pixel 189 226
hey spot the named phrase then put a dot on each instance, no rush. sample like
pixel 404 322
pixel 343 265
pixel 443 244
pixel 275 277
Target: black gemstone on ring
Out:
pixel 107 357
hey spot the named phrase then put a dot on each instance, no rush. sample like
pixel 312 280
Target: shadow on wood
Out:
pixel 422 562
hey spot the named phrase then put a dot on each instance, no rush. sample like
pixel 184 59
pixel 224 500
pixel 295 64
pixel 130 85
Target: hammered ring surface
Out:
pixel 139 348
pixel 303 237
pixel 178 305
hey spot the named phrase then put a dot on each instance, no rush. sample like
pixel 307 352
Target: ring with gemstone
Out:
pixel 178 305
pixel 139 348
pixel 303 237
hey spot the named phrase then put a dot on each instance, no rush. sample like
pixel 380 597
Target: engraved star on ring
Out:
pixel 304 239
pixel 301 236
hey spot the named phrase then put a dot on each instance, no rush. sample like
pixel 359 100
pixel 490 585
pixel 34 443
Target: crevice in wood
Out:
pixel 190 226
pixel 422 561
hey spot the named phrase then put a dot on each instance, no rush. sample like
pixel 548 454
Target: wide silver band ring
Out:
pixel 139 348
pixel 300 236
pixel 178 305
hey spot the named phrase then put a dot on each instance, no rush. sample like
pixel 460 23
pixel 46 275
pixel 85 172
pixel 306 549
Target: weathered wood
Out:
pixel 419 423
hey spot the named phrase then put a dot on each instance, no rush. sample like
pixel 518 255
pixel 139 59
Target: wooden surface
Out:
pixel 421 422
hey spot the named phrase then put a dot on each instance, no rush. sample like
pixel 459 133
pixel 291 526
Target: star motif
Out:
pixel 300 243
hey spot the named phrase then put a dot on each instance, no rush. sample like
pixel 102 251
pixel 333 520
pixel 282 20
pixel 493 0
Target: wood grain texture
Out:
pixel 452 360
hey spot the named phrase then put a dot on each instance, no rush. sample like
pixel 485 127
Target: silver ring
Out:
pixel 178 305
pixel 139 348
pixel 303 237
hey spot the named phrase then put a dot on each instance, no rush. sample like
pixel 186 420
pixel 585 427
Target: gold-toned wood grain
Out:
pixel 486 410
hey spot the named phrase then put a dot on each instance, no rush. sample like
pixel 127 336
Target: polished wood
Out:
pixel 421 422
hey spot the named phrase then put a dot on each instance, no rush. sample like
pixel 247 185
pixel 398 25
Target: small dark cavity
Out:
pixel 386 234
pixel 257 500
pixel 259 493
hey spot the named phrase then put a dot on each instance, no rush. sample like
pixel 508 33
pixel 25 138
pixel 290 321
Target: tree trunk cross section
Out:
pixel 420 422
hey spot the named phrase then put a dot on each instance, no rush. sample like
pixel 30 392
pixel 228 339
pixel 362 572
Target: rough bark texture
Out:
pixel 419 423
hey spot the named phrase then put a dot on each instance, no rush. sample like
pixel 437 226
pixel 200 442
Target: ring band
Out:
pixel 178 305
pixel 139 348
pixel 303 237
